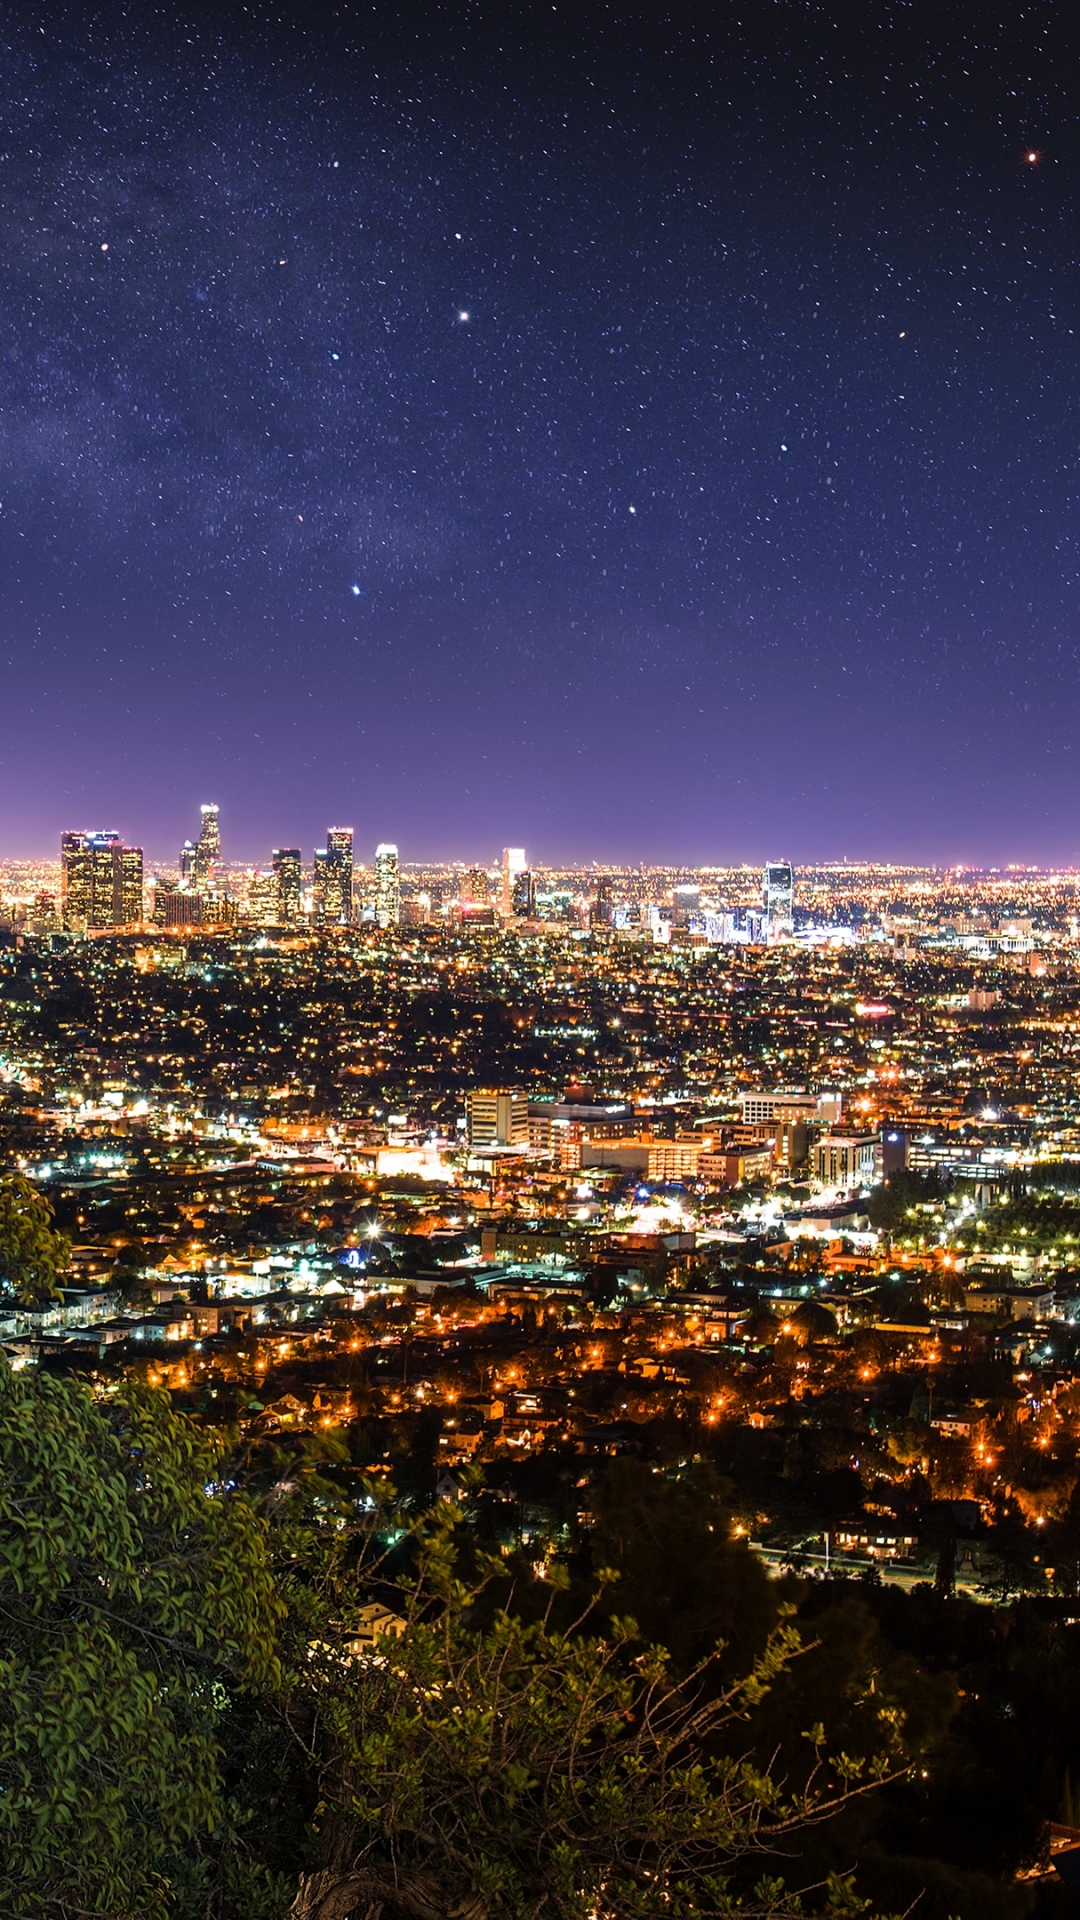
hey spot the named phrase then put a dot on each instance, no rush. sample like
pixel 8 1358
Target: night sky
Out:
pixel 569 426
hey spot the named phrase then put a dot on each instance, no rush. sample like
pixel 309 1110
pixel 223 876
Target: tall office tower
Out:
pixel 778 899
pixel 101 882
pixel 687 904
pixel 262 899
pixel 186 864
pixel 320 879
pixel 333 879
pixel 207 847
pixel 288 885
pixel 77 876
pixel 513 863
pixel 387 886
pixel 523 896
pixel 476 888
pixel 497 1116
pixel 602 907
pixel 129 882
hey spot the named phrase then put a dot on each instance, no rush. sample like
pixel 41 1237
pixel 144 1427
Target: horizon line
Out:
pixel 580 864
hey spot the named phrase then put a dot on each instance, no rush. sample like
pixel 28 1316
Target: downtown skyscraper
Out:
pixel 207 847
pixel 387 886
pixel 333 879
pixel 288 886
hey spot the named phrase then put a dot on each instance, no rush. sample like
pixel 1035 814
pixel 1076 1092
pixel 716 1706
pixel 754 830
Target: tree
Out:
pixel 686 1577
pixel 193 1724
pixel 761 1328
pixel 813 1322
pixel 32 1253
pixel 131 1284
pixel 890 1203
pixel 137 1602
pixel 499 1768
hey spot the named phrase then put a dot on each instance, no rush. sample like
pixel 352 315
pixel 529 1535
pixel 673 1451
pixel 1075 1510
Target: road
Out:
pixel 780 1561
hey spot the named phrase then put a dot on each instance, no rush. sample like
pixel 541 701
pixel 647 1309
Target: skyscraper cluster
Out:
pixel 102 888
pixel 101 882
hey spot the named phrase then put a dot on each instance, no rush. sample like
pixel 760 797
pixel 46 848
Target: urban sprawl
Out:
pixel 530 1169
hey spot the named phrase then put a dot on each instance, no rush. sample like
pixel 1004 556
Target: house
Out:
pixel 375 1622
pixel 1010 1302
pixel 286 1412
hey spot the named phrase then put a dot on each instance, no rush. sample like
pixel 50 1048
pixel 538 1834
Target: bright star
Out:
pixel 356 591
pixel 463 316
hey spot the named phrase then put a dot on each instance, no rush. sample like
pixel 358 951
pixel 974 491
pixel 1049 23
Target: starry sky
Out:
pixel 631 433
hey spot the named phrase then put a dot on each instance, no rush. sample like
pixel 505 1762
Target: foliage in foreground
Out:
pixel 191 1722
pixel 32 1253
pixel 135 1598
pixel 520 1769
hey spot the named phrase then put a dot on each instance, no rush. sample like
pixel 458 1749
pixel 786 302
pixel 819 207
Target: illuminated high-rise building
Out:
pixel 175 906
pixel 387 886
pixel 687 903
pixel 476 888
pixel 101 882
pixel 333 879
pixel 81 871
pixel 288 886
pixel 602 908
pixel 207 847
pixel 130 887
pixel 523 896
pixel 497 1116
pixel 262 899
pixel 778 899
pixel 513 863
pixel 320 875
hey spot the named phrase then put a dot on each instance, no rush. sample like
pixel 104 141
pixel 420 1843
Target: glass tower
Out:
pixel 778 899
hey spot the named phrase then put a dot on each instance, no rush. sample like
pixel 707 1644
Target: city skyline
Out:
pixel 100 884
pixel 192 859
pixel 259 854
